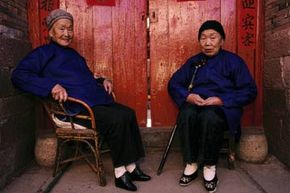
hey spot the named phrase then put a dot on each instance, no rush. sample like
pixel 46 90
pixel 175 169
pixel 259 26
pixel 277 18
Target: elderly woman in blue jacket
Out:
pixel 60 71
pixel 210 89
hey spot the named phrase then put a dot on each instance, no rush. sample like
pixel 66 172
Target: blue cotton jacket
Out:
pixel 53 64
pixel 224 75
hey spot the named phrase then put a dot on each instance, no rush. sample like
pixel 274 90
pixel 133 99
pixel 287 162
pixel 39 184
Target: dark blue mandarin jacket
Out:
pixel 224 75
pixel 53 64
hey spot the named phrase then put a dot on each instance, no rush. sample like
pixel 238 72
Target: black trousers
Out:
pixel 201 133
pixel 118 126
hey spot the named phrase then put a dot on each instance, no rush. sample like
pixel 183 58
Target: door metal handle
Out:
pixel 153 16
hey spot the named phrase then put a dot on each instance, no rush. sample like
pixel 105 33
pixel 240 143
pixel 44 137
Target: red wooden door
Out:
pixel 173 38
pixel 113 40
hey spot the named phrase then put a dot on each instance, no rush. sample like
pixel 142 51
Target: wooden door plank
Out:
pixel 159 53
pixel 173 41
pixel 112 41
pixel 229 22
pixel 258 120
pixel 103 38
pixel 141 62
pixel 33 24
pixel 123 47
pixel 83 29
pixel 129 67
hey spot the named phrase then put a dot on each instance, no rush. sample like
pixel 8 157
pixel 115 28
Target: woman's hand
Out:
pixel 59 93
pixel 97 75
pixel 197 100
pixel 213 101
pixel 108 85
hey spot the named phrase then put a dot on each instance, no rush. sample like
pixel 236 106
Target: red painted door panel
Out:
pixel 113 40
pixel 173 39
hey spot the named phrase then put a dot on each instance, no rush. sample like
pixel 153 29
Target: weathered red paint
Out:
pixel 247 24
pixel 129 50
pixel 101 2
pixel 103 38
pixel 45 6
pixel 250 49
pixel 189 0
pixel 83 28
pixel 173 40
pixel 33 25
pixel 113 41
pixel 259 58
pixel 229 10
pixel 162 107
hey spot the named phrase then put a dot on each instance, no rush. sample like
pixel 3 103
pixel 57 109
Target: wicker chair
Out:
pixel 82 142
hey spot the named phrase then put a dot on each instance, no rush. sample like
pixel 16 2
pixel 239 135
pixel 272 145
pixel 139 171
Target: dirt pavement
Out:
pixel 270 177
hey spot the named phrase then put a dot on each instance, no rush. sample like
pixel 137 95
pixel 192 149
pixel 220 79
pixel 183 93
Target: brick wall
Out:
pixel 277 78
pixel 16 109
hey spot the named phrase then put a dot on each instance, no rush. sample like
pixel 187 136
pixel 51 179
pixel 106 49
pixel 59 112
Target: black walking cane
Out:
pixel 166 150
pixel 197 65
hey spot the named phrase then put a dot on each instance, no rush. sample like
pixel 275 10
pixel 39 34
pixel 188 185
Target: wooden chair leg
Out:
pixel 165 154
pixel 99 166
pixel 57 158
pixel 61 161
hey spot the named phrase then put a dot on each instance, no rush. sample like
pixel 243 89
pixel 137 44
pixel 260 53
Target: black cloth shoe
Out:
pixel 211 185
pixel 125 182
pixel 138 175
pixel 187 179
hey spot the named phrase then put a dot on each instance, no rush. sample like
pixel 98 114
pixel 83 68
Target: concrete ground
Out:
pixel 270 177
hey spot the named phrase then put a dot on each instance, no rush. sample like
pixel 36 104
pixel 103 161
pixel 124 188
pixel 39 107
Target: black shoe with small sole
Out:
pixel 125 182
pixel 138 175
pixel 185 180
pixel 211 185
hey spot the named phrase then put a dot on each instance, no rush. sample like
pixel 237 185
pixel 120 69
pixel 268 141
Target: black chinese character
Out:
pixel 46 5
pixel 248 22
pixel 248 4
pixel 43 23
pixel 248 39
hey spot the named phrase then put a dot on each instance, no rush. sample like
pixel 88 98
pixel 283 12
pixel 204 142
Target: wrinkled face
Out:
pixel 211 42
pixel 62 32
